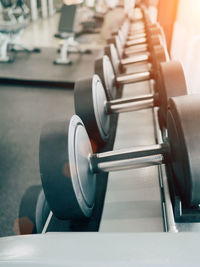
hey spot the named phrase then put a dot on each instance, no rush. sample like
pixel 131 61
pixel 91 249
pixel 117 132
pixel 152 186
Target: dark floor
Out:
pixel 40 67
pixel 23 111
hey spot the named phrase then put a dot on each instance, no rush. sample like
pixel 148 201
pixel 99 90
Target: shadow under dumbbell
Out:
pixel 34 211
pixel 27 210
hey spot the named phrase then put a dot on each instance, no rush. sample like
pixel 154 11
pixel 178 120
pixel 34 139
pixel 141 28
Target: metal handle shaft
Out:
pixel 134 77
pixel 136 49
pixel 130 106
pixel 129 158
pixel 135 59
pixel 136 42
pixel 137 36
pixel 130 163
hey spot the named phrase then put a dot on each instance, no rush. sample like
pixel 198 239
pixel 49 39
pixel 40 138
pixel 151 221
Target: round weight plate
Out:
pixel 122 37
pixel 161 32
pixel 109 77
pixel 158 56
pixel 172 83
pixel 154 40
pixel 118 46
pixel 68 183
pixel 104 69
pixel 114 58
pixel 184 137
pixel 90 99
pixel 99 70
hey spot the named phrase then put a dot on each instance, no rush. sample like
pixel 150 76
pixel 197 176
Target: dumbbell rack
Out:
pixel 125 210
pixel 135 203
pixel 140 200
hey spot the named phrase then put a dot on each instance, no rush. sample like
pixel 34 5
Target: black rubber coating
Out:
pixel 172 83
pixel 89 101
pixel 65 190
pixel 183 122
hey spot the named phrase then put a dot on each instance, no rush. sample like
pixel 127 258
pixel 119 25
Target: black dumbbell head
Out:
pixel 68 183
pixel 184 137
pixel 172 83
pixel 89 101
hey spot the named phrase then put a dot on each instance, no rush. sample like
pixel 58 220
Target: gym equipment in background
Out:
pixel 11 29
pixel 15 11
pixel 66 32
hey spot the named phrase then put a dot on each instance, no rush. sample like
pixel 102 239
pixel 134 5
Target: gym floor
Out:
pixel 23 112
pixel 24 109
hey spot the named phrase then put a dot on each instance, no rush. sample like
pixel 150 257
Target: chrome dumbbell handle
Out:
pixel 130 104
pixel 129 158
pixel 135 59
pixel 133 77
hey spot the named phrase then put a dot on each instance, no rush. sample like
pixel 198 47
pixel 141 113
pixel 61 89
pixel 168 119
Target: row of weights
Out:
pixel 87 96
pixel 42 208
pixel 68 165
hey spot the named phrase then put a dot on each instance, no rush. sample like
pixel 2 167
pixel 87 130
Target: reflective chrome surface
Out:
pixel 132 106
pixel 135 59
pixel 134 77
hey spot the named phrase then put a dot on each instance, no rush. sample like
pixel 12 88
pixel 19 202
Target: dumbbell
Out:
pixel 129 41
pixel 147 23
pixel 134 36
pixel 119 65
pixel 104 68
pixel 68 166
pixel 144 46
pixel 155 38
pixel 126 28
pixel 137 53
pixel 94 108
pixel 129 26
pixel 148 29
